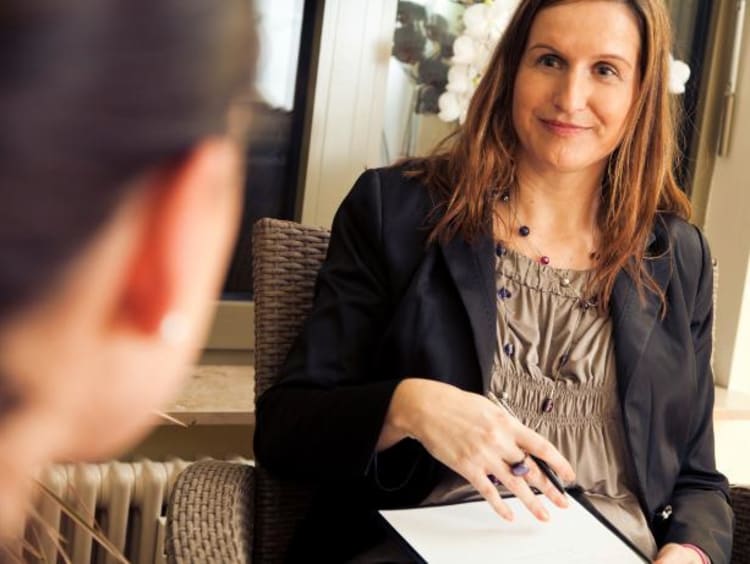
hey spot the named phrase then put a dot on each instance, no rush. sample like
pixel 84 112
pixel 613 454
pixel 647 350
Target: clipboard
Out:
pixel 472 532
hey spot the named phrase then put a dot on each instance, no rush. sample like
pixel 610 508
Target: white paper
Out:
pixel 473 532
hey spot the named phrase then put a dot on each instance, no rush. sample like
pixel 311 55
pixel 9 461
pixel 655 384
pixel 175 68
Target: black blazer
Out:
pixel 388 306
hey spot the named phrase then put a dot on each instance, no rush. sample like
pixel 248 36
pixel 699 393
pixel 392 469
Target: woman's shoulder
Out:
pixel 396 182
pixel 686 244
pixel 393 195
pixel 387 211
pixel 684 237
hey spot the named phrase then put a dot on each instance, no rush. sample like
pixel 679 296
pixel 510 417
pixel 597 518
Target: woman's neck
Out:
pixel 565 204
pixel 558 213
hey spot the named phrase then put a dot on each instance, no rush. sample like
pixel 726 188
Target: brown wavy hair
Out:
pixel 467 168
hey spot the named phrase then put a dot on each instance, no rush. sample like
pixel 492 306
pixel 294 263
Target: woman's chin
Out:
pixel 569 164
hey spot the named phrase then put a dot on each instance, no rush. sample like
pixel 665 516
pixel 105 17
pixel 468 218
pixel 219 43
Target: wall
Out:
pixel 347 120
pixel 728 231
pixel 730 460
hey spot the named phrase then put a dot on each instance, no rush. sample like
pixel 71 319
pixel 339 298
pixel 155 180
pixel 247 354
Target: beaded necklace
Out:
pixel 504 295
pixel 525 231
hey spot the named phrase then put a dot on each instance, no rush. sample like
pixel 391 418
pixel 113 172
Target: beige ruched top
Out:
pixel 539 316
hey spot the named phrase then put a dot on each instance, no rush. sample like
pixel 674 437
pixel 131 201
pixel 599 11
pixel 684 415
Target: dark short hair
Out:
pixel 92 94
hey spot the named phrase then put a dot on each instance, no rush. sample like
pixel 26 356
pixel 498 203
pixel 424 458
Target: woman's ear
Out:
pixel 186 230
pixel 181 232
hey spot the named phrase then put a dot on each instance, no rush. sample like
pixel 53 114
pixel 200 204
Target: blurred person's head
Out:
pixel 119 196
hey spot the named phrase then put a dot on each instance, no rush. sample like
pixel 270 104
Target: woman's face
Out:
pixel 576 83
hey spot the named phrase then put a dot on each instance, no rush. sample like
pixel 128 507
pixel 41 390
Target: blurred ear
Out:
pixel 186 229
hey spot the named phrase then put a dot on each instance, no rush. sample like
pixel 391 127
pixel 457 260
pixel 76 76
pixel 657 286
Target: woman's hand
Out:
pixel 476 439
pixel 677 554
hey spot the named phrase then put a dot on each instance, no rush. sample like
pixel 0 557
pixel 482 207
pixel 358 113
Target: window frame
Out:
pixel 348 34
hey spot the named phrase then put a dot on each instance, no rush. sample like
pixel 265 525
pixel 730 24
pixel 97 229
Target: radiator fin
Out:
pixel 126 499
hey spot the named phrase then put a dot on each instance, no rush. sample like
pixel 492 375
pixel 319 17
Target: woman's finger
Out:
pixel 520 488
pixel 537 479
pixel 540 447
pixel 517 461
pixel 487 489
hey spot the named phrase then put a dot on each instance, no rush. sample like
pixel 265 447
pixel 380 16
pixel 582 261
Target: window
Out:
pixel 279 109
pixel 417 76
pixel 278 106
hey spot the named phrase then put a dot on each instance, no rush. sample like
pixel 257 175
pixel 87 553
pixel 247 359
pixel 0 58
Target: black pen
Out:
pixel 543 466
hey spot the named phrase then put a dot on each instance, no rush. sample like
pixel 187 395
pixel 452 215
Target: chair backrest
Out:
pixel 286 260
pixel 741 506
pixel 715 268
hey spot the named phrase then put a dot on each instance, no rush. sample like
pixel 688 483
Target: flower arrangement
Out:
pixel 484 24
pixel 423 45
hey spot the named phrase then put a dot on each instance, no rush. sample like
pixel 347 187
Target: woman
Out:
pixel 544 256
pixel 120 193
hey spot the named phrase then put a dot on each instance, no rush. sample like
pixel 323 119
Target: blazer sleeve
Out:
pixel 323 420
pixel 700 500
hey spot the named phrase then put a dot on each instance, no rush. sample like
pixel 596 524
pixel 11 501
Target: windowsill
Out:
pixel 731 405
pixel 225 395
pixel 216 395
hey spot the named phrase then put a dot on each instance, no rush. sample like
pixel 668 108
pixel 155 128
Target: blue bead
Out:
pixel 509 349
pixel 503 293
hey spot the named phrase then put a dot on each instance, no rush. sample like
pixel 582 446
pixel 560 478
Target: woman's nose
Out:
pixel 572 91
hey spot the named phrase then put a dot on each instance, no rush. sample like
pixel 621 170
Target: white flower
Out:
pixel 482 58
pixel 450 109
pixel 476 20
pixel 459 79
pixel 464 50
pixel 679 73
pixel 499 14
pixel 463 101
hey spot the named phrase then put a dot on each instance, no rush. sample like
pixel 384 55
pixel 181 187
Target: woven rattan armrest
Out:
pixel 741 506
pixel 210 514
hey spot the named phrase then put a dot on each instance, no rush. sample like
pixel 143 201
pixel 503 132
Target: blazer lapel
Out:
pixel 633 323
pixel 472 269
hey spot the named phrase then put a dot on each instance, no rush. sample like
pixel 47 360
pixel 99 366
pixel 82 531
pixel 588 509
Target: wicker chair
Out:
pixel 229 512
pixel 213 516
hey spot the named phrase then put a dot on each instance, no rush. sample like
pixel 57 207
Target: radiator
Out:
pixel 127 500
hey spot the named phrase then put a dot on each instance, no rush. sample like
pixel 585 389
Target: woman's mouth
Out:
pixel 562 128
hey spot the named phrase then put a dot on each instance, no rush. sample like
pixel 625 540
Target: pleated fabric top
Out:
pixel 540 321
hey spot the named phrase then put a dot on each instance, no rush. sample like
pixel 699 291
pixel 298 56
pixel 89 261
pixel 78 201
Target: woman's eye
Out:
pixel 606 70
pixel 549 61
